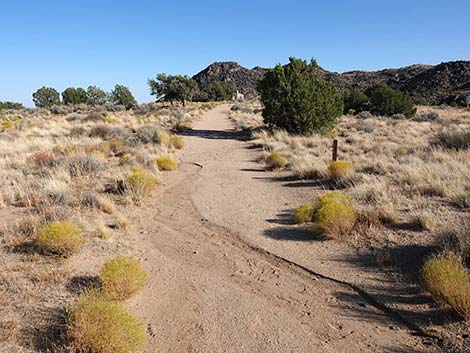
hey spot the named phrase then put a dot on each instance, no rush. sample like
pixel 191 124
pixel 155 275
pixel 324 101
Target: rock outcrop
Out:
pixel 447 82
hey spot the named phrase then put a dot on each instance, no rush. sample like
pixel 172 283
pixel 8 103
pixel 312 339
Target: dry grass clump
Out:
pixel 85 164
pixel 333 214
pixel 60 238
pixel 276 160
pixel 122 278
pixel 166 163
pixel 98 325
pixel 448 281
pixel 122 222
pixel 304 213
pixel 456 238
pixel 139 182
pixel 177 142
pixel 340 169
pixel 454 139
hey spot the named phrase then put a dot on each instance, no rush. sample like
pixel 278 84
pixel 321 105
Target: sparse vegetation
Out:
pixel 448 281
pixel 60 238
pixel 98 325
pixel 333 214
pixel 304 213
pixel 177 142
pixel 122 277
pixel 139 182
pixel 166 163
pixel 275 160
pixel 339 169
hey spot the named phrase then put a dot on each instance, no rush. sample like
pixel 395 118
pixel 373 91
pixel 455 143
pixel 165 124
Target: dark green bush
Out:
pixel 46 97
pixel 220 91
pixel 297 100
pixel 384 100
pixel 355 100
pixel 121 95
pixel 73 95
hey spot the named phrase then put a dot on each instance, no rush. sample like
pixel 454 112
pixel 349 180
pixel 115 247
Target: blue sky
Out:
pixel 104 42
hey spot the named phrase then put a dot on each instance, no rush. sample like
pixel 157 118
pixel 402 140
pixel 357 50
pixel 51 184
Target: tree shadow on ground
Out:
pixel 298 233
pixel 83 283
pixel 218 134
pixel 50 336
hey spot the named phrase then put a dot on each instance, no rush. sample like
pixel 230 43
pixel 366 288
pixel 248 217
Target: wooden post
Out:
pixel 335 150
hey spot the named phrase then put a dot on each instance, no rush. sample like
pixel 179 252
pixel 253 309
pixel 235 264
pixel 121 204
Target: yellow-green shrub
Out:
pixel 276 160
pixel 183 127
pixel 304 213
pixel 60 238
pixel 139 182
pixel 166 163
pixel 122 277
pixel 339 169
pixel 177 142
pixel 333 214
pixel 448 281
pixel 98 325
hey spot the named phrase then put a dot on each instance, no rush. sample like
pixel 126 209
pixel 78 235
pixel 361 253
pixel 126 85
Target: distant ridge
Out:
pixel 448 82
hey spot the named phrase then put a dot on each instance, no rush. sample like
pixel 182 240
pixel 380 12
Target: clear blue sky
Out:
pixel 103 42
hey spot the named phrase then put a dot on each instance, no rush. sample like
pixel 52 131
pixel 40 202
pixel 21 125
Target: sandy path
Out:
pixel 211 290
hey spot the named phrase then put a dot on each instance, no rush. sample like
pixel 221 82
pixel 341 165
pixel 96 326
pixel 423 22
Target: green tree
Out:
pixel 96 96
pixel 172 88
pixel 73 95
pixel 12 105
pixel 121 95
pixel 384 100
pixel 46 97
pixel 220 91
pixel 297 100
pixel 355 100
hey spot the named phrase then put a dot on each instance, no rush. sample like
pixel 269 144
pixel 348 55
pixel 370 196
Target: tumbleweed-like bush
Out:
pixel 304 213
pixel 98 325
pixel 334 215
pixel 60 238
pixel 166 163
pixel 122 277
pixel 339 169
pixel 276 160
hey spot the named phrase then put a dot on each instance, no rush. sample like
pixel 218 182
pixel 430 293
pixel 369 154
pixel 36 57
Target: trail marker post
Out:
pixel 335 150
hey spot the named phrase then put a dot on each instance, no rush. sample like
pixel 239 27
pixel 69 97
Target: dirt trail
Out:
pixel 213 288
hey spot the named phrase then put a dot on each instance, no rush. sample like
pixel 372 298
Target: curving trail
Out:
pixel 225 263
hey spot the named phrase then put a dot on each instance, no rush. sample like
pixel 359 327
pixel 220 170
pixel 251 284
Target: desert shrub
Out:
pixel 304 213
pixel 333 214
pixel 339 169
pixel 77 131
pixel 456 239
pixel 92 200
pixel 177 142
pixel 384 100
pixel 95 117
pixel 297 100
pixel 60 238
pixel 122 222
pixel 85 164
pixel 138 183
pixel 147 134
pixel 122 277
pixel 98 325
pixel 448 281
pixel 182 127
pixel 454 139
pixel 101 131
pixel 102 149
pixel 166 163
pixel 364 115
pixel 45 159
pixel 431 116
pixel 276 160
pixel 355 101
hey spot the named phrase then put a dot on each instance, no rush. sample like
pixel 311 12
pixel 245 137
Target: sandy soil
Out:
pixel 231 274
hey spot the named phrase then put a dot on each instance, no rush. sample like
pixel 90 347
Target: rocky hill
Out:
pixel 447 82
